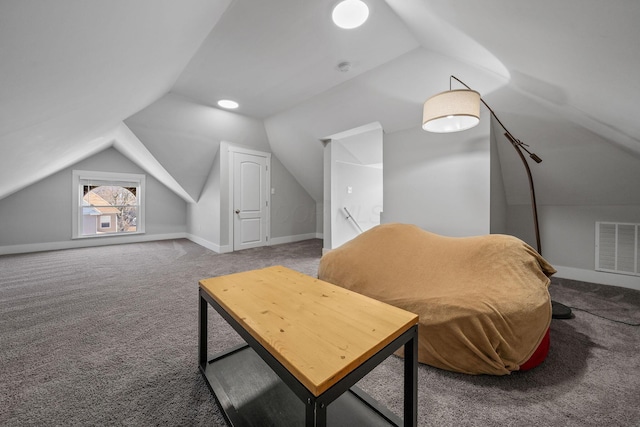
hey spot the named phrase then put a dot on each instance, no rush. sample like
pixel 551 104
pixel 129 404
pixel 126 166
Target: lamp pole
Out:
pixel 534 206
pixel 518 146
pixel 559 311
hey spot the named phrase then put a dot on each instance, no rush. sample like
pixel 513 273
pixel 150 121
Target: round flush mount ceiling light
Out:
pixel 350 14
pixel 227 103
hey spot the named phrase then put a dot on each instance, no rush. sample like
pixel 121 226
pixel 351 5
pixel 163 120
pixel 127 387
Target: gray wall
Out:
pixel 42 212
pixel 356 182
pixel 327 162
pixel 499 208
pixel 364 202
pixel 293 211
pixel 567 233
pixel 204 215
pixel 440 182
pixel 191 141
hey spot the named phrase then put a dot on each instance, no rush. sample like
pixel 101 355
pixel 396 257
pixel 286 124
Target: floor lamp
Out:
pixel 458 110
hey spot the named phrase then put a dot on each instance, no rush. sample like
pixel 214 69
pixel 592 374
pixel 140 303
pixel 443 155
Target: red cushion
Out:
pixel 539 355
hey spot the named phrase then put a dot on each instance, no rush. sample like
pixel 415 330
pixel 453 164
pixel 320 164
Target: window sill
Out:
pixel 100 236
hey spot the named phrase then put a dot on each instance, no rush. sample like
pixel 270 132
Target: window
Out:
pixel 105 221
pixel 107 204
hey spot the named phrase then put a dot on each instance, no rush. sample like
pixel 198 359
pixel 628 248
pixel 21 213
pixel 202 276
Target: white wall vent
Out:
pixel 618 248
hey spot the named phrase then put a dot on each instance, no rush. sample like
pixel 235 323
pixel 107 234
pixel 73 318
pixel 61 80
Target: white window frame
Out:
pixel 78 176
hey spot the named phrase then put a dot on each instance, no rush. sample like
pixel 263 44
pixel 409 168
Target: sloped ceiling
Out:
pixel 184 136
pixel 271 55
pixel 578 55
pixel 561 75
pixel 72 71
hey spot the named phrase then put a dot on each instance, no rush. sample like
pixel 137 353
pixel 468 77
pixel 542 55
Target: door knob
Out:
pixel 237 211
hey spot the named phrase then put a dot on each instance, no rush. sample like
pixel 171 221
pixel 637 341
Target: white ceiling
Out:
pixel 271 55
pixel 72 71
pixel 562 75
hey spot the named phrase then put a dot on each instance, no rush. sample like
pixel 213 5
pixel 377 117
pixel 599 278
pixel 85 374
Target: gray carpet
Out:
pixel 108 336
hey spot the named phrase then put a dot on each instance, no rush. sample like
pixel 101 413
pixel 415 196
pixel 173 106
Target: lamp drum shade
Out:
pixel 451 111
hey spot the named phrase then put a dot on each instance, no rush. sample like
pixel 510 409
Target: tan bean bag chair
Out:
pixel 483 301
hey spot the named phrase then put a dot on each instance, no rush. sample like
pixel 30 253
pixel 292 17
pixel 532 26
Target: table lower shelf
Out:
pixel 251 394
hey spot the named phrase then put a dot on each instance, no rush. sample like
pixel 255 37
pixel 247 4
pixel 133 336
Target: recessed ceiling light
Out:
pixel 350 14
pixel 227 103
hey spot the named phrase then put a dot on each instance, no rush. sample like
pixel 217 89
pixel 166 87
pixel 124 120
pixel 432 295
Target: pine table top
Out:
pixel 320 332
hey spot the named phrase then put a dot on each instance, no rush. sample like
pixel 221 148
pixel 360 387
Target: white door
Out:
pixel 250 200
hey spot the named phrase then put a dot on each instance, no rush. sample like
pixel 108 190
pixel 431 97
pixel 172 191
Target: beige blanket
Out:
pixel 483 301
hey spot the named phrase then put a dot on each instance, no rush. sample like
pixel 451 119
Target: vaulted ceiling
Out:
pixel 144 76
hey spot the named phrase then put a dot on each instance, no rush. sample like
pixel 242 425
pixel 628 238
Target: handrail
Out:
pixel 349 216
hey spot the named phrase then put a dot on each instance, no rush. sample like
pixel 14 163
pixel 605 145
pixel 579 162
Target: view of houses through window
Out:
pixel 107 203
pixel 109 209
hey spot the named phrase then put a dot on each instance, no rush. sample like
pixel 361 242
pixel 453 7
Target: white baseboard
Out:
pixel 229 248
pixel 291 239
pixel 210 245
pixel 591 276
pixel 87 242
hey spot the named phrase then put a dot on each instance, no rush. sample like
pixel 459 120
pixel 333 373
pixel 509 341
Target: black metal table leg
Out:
pixel 321 414
pixel 411 380
pixel 202 332
pixel 316 413
pixel 315 406
pixel 310 413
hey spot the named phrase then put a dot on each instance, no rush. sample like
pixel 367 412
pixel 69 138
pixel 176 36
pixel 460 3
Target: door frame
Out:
pixel 237 149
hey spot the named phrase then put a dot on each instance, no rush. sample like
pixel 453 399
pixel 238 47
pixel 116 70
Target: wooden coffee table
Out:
pixel 308 343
